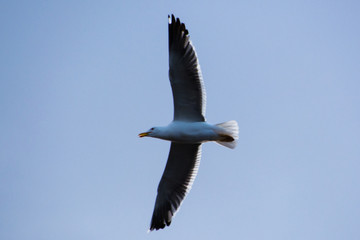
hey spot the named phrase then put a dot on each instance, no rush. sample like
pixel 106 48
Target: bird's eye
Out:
pixel 151 129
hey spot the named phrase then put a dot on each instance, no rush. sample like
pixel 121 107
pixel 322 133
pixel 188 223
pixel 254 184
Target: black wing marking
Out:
pixel 178 177
pixel 185 75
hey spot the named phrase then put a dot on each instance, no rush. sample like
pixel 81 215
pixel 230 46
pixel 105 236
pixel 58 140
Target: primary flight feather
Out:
pixel 188 130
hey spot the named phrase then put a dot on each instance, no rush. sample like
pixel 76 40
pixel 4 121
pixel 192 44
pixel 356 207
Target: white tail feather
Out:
pixel 228 129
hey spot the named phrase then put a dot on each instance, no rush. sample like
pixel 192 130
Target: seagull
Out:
pixel 188 130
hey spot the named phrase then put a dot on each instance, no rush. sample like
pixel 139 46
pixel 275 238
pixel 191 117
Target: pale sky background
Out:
pixel 80 79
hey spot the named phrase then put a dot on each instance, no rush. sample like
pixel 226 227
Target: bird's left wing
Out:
pixel 180 172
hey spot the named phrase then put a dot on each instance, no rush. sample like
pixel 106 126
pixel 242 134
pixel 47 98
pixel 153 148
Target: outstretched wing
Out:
pixel 178 177
pixel 185 75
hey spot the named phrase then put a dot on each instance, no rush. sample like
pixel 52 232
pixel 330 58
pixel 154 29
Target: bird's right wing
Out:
pixel 185 75
pixel 178 177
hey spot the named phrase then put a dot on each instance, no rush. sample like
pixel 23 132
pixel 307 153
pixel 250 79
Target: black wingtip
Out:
pixel 158 227
pixel 161 218
pixel 178 23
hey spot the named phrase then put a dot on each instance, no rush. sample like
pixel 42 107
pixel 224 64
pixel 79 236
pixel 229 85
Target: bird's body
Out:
pixel 188 130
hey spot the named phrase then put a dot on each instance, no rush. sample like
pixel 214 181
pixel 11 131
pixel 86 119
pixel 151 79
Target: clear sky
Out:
pixel 80 79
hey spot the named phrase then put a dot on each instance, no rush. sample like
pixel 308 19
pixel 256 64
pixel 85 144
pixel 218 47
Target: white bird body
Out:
pixel 188 130
pixel 194 132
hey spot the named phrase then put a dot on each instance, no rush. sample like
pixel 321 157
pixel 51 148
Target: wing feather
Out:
pixel 178 177
pixel 185 75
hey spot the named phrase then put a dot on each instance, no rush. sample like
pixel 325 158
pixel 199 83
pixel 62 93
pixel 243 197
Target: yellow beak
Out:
pixel 144 134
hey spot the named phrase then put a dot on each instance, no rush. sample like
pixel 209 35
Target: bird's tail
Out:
pixel 228 133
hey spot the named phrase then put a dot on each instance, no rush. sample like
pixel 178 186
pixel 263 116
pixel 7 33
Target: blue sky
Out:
pixel 79 80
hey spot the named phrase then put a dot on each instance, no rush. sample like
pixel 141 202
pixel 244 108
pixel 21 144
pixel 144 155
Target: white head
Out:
pixel 152 132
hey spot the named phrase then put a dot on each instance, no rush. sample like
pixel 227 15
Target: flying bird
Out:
pixel 188 130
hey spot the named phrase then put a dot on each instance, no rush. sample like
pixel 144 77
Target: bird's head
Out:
pixel 150 133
